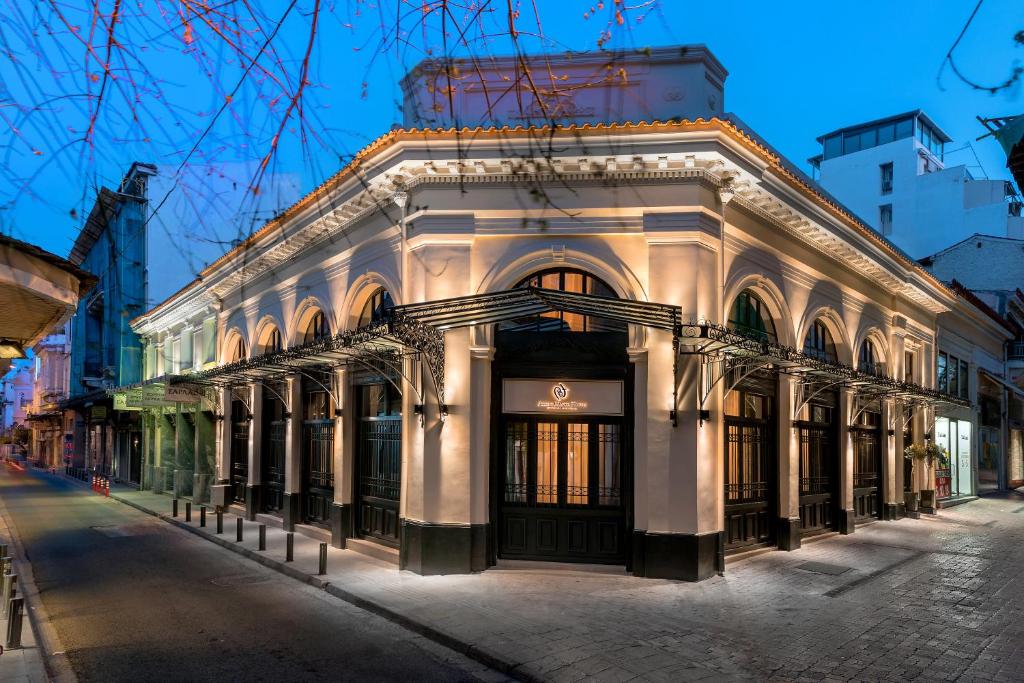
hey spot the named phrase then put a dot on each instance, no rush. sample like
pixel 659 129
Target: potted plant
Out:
pixel 917 454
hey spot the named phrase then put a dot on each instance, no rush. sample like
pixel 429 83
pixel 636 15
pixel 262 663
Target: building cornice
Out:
pixel 361 189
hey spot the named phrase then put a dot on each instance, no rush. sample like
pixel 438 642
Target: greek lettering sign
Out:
pixel 181 393
pixel 562 397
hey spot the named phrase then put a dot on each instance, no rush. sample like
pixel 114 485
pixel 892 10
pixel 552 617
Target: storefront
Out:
pixel 954 476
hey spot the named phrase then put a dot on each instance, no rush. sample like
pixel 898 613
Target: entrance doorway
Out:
pixel 867 466
pixel 751 488
pixel 317 449
pixel 818 468
pixel 239 450
pixel 562 489
pixel 378 462
pixel 272 460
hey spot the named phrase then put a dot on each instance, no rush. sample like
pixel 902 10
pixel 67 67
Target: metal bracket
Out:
pixel 802 398
pixel 284 400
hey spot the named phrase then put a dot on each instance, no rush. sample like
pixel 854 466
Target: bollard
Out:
pixel 14 622
pixel 323 559
pixel 7 593
pixel 202 515
pixel 289 546
pixel 263 536
pixel 174 507
pixel 188 511
pixel 238 529
pixel 5 564
pixel 3 550
pixel 106 490
pixel 220 522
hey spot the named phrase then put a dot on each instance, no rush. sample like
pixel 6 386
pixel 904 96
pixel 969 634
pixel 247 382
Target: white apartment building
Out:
pixel 892 174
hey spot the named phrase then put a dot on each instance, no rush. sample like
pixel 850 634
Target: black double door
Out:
pixel 378 476
pixel 819 468
pixel 317 466
pixel 867 466
pixel 563 489
pixel 272 460
pixel 239 450
pixel 751 479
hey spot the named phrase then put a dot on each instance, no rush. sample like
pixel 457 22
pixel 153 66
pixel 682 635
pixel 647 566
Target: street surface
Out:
pixel 134 599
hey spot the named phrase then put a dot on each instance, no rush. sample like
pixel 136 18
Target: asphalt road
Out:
pixel 134 599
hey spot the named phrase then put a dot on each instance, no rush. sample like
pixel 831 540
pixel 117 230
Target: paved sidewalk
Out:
pixel 25 664
pixel 941 598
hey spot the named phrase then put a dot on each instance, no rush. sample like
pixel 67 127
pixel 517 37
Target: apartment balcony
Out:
pixel 1016 351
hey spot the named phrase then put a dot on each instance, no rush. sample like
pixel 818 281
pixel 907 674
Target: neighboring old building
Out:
pixel 16 388
pixel 105 352
pixel 645 344
pixel 892 173
pixel 990 270
pixel 38 293
pixel 51 429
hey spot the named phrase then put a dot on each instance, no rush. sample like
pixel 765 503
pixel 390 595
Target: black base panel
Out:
pixel 891 511
pixel 253 501
pixel 789 533
pixel 431 549
pixel 683 557
pixel 341 524
pixel 847 521
pixel 292 512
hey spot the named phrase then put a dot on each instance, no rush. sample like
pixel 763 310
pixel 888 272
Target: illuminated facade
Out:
pixel 653 345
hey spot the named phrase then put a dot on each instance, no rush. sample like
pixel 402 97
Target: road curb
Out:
pixel 463 647
pixel 55 661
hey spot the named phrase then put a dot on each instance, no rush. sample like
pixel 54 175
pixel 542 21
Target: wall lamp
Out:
pixel 703 415
pixel 338 412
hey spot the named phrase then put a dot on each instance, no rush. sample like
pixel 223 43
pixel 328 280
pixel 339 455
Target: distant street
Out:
pixel 135 599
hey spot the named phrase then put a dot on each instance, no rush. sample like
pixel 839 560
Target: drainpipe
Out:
pixel 401 199
pixel 725 195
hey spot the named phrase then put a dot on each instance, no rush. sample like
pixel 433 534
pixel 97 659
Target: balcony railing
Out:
pixel 1016 350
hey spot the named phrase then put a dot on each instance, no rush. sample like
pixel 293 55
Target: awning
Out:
pixel 380 345
pixel 726 352
pixel 483 309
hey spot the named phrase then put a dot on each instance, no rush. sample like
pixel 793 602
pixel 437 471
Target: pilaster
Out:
pixel 253 485
pixel 293 454
pixel 845 510
pixel 789 466
pixel 341 508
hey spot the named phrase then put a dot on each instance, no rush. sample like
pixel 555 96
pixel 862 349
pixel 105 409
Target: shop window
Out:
pixel 566 280
pixel 609 486
pixel 941 378
pixel 375 308
pixel 517 452
pixel 818 343
pixel 547 462
pixel 577 491
pixel 750 317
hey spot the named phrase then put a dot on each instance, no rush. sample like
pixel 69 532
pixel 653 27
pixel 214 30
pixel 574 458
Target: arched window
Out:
pixel 566 280
pixel 375 307
pixel 818 343
pixel 867 361
pixel 237 350
pixel 316 329
pixel 272 344
pixel 750 317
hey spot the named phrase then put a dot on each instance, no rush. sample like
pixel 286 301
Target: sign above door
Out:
pixel 562 397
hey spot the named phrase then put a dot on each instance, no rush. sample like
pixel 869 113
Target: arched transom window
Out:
pixel 818 343
pixel 316 329
pixel 271 341
pixel 750 317
pixel 375 307
pixel 868 361
pixel 237 351
pixel 566 280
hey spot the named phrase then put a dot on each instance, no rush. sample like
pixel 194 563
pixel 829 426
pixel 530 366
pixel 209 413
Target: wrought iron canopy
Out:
pixel 384 343
pixel 483 309
pixel 731 349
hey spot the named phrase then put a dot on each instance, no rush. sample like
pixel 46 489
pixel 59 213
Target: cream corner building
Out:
pixel 642 344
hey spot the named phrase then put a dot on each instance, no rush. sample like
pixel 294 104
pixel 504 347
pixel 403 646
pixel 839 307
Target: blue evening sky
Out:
pixel 796 70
